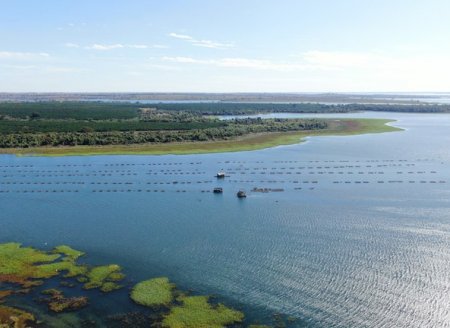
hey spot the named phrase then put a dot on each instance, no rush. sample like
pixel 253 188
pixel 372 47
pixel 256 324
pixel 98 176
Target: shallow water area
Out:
pixel 357 233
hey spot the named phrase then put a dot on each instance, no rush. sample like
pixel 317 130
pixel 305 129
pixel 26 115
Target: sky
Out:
pixel 224 46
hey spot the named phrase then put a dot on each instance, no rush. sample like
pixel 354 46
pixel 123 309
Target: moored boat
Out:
pixel 220 175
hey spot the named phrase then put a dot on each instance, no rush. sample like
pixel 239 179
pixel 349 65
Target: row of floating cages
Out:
pixel 49 174
pixel 39 191
pixel 188 182
pixel 218 190
pixel 222 162
pixel 197 172
pixel 152 164
pixel 28 183
pixel 327 161
pixel 316 167
pixel 240 194
pixel 41 183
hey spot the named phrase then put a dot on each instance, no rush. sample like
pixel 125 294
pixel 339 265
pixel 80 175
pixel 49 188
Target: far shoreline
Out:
pixel 338 127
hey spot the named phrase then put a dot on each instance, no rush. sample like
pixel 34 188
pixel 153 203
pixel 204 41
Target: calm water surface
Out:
pixel 360 236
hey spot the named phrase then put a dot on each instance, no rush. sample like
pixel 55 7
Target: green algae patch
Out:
pixel 68 252
pixel 28 267
pixel 104 277
pixel 14 318
pixel 153 292
pixel 73 269
pixel 19 265
pixel 197 312
pixel 59 303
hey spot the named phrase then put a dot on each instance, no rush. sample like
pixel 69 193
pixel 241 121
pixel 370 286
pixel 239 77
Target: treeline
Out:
pixel 423 108
pixel 107 111
pixel 36 126
pixel 257 108
pixel 232 129
pixel 54 110
pixel 223 108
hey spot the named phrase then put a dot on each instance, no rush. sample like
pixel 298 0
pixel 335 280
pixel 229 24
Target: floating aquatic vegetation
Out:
pixel 28 267
pixel 153 292
pixel 67 264
pixel 20 265
pixel 103 277
pixel 196 311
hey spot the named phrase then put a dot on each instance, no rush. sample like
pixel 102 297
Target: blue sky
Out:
pixel 225 45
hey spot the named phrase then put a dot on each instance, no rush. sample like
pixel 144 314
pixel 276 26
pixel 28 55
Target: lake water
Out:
pixel 360 236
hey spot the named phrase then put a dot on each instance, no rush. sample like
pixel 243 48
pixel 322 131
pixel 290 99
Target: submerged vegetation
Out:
pixel 57 302
pixel 16 318
pixel 27 267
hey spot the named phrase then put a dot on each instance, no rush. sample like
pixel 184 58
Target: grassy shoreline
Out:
pixel 337 127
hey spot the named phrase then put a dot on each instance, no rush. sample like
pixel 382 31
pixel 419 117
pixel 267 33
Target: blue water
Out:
pixel 360 236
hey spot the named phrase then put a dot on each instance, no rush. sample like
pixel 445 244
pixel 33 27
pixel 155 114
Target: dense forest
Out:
pixel 126 111
pixel 35 125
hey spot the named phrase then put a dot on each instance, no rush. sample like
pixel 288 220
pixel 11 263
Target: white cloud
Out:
pixel 181 36
pixel 249 63
pixel 379 63
pixel 71 45
pixel 44 68
pixel 368 64
pixel 62 69
pixel 20 67
pixel 22 55
pixel 341 59
pixel 375 71
pixel 138 46
pixel 201 43
pixel 104 47
pixel 186 60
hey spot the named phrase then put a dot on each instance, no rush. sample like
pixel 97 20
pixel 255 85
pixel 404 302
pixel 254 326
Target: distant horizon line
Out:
pixel 232 92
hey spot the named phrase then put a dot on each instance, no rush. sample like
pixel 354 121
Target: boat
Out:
pixel 218 190
pixel 241 194
pixel 220 175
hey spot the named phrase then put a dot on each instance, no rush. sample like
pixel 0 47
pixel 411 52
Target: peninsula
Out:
pixel 96 128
